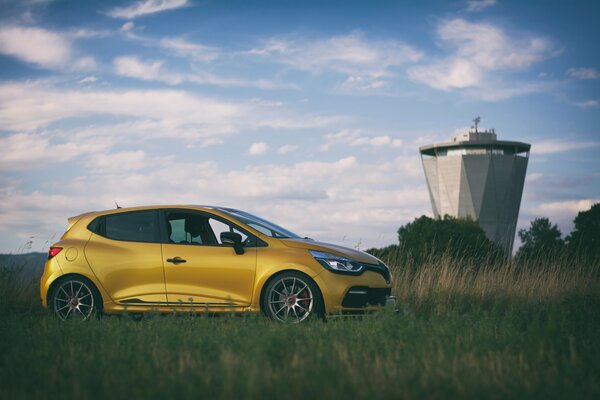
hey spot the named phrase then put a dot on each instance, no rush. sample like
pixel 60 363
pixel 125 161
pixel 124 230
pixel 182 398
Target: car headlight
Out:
pixel 337 263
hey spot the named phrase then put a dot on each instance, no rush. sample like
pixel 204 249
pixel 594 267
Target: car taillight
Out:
pixel 54 251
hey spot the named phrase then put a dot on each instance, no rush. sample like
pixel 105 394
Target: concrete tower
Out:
pixel 479 176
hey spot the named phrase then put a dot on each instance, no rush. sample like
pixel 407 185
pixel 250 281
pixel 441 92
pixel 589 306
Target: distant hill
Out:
pixel 30 264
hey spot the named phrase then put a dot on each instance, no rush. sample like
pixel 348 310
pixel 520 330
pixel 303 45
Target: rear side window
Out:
pixel 139 226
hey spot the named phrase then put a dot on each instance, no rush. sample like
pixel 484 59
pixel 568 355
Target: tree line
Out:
pixel 463 239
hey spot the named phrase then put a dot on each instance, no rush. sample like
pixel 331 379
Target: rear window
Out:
pixel 139 226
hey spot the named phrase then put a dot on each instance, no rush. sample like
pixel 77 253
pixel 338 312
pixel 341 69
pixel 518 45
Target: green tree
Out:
pixel 430 238
pixel 584 240
pixel 541 239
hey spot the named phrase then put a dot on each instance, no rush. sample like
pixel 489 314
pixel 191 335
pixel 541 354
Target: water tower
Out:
pixel 479 176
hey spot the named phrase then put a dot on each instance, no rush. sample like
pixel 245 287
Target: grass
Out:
pixel 510 332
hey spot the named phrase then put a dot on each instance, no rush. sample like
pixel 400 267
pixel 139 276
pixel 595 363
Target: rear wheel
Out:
pixel 292 297
pixel 75 298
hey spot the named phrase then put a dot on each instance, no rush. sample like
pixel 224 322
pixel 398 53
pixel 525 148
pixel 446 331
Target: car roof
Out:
pixel 153 207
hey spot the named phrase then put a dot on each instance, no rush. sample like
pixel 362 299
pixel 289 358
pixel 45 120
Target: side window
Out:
pixel 218 227
pixel 189 228
pixel 197 228
pixel 177 231
pixel 139 226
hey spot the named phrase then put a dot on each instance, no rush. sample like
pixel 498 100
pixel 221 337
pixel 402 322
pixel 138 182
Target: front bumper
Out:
pixel 344 293
pixel 363 296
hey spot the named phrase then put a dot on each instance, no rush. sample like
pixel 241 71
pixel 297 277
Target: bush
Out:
pixel 425 238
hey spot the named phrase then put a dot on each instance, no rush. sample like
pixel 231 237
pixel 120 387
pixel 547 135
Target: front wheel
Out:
pixel 292 297
pixel 75 298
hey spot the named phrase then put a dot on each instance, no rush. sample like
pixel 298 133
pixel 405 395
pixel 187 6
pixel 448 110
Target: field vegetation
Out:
pixel 511 330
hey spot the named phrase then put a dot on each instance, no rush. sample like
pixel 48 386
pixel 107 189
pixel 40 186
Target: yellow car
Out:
pixel 200 258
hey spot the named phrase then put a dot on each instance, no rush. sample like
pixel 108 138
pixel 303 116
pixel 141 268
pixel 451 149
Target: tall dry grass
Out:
pixel 445 280
pixel 440 281
pixel 19 291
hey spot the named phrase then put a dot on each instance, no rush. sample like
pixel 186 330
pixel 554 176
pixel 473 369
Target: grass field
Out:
pixel 510 332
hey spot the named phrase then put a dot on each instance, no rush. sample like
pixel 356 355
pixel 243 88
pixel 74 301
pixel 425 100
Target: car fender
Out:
pixel 263 276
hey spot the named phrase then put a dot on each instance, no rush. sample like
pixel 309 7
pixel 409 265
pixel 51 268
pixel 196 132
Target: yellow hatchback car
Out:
pixel 200 258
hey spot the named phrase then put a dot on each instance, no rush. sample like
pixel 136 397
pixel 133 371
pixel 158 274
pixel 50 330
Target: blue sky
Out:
pixel 307 113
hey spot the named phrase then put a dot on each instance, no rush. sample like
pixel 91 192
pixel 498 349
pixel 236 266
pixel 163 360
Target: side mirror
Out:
pixel 233 239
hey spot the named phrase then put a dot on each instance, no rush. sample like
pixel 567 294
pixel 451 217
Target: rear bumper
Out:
pixel 52 271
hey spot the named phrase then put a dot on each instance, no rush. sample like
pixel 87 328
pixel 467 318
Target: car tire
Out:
pixel 292 297
pixel 75 297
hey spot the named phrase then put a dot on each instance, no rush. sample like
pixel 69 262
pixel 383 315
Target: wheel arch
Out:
pixel 74 275
pixel 281 272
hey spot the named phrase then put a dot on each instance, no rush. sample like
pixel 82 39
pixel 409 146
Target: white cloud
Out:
pixel 37 46
pixel 146 7
pixel 277 120
pixel 34 105
pixel 564 208
pixel 534 177
pixel 194 118
pixel 505 90
pixel 356 138
pixel 127 26
pixel 478 53
pixel 136 116
pixel 562 213
pixel 88 33
pixel 132 67
pixel 583 73
pixel 552 146
pixel 449 74
pixel 87 79
pixel 124 162
pixel 479 5
pixel 287 148
pixel 367 64
pixel 22 151
pixel 588 104
pixel 186 48
pixel 85 64
pixel 258 149
pixel 364 83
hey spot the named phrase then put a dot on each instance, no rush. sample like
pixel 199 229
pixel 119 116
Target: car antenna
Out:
pixel 117 204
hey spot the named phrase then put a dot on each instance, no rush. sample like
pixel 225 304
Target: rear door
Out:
pixel 199 269
pixel 124 252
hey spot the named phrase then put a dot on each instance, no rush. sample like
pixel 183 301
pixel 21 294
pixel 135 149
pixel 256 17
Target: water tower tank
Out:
pixel 479 176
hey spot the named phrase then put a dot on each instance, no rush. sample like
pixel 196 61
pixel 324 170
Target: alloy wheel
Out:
pixel 73 299
pixel 290 300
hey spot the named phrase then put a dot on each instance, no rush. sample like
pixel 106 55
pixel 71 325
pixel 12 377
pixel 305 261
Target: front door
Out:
pixel 199 269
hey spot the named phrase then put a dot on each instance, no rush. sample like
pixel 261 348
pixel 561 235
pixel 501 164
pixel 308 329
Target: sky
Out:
pixel 307 113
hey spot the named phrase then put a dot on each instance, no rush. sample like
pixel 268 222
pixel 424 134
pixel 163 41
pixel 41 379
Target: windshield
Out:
pixel 261 225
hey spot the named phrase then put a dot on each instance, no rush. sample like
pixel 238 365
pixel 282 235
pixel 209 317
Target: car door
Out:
pixel 199 269
pixel 124 252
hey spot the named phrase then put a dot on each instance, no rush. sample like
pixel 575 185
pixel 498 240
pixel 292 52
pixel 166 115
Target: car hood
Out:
pixel 351 254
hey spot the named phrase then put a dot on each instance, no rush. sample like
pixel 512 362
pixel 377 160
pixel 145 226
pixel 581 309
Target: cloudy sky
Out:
pixel 307 113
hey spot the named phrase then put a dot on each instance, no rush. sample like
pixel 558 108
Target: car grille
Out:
pixel 363 296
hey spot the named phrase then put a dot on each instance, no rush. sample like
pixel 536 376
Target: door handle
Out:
pixel 176 260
